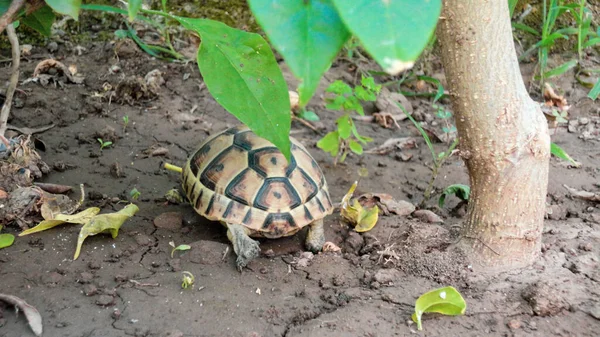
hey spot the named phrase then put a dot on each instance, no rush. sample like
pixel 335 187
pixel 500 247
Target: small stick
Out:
pixel 171 167
pixel 306 123
pixel 14 77
pixel 7 17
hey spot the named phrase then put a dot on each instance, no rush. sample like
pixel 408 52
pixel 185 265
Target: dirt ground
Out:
pixel 131 286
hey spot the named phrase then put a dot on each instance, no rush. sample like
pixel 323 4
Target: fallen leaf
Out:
pixel 583 194
pixel 110 223
pixel 552 99
pixel 367 219
pixel 445 301
pixel 363 219
pixel 81 218
pixel 155 151
pixel 331 247
pixel 154 80
pixel 3 194
pixel 6 240
pixel 427 216
pixel 387 203
pixel 45 65
pixel 33 316
pixel 386 119
pixel 392 144
pixel 53 188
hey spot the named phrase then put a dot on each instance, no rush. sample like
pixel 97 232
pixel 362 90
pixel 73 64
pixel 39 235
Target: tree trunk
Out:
pixel 503 135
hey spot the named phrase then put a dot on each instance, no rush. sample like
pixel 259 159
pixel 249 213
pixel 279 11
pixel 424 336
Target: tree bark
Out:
pixel 503 135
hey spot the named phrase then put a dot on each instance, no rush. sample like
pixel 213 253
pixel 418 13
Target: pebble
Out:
pixel 90 290
pixel 514 324
pixel 169 220
pixel 143 240
pixel 587 246
pixel 105 300
pixel 386 276
pixel 85 277
pixel 427 216
pixel 53 277
pixel 52 46
pixel 116 314
pixel 354 242
pixel 94 265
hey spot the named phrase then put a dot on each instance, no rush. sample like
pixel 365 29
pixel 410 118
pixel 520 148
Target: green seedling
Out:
pixel 438 158
pixel 103 144
pixel 180 247
pixel 459 190
pixel 346 138
pixel 135 194
pixel 187 280
pixel 445 301
pixel 125 122
pixel 562 154
pixel 6 240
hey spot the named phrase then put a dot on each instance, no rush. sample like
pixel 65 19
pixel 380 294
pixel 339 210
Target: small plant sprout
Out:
pixel 445 301
pixel 346 138
pixel 103 144
pixel 135 194
pixel 125 122
pixel 187 280
pixel 180 247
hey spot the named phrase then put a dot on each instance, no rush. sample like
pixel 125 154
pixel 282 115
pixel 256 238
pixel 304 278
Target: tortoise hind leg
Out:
pixel 245 248
pixel 315 239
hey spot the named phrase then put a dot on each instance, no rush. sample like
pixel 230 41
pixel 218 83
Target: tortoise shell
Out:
pixel 238 177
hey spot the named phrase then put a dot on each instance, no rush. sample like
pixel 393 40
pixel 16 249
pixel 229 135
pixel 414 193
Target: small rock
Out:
pixel 302 263
pixel 263 270
pixel 116 314
pixel 85 277
pixel 583 120
pixel 556 212
pixel 403 156
pixel 269 254
pixel 173 333
pixel 587 246
pixel 105 300
pixel 52 46
pixel 170 220
pixel 121 278
pixel 544 299
pixel 53 278
pixel 354 242
pixel 90 290
pixel 143 240
pixel 387 276
pixel 61 325
pixel 94 265
pixel 307 255
pixel 205 252
pixel 595 312
pixel 514 324
pixel 381 164
pixel 427 216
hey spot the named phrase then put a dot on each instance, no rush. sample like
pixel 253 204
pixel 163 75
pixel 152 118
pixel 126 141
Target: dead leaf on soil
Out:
pixel 363 219
pixel 331 247
pixel 154 80
pixel 33 316
pixel 155 151
pixel 552 99
pixel 44 66
pixel 386 203
pixel 110 222
pixel 583 194
pixel 392 144
pixel 54 188
pixel 387 101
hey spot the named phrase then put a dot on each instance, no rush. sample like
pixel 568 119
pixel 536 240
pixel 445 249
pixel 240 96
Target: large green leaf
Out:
pixel 445 301
pixel 393 32
pixel 67 7
pixel 308 34
pixel 40 20
pixel 241 73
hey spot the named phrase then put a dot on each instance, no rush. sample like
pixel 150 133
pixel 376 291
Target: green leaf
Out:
pixel 339 87
pixel 241 73
pixel 562 154
pixel 66 7
pixel 308 34
pixel 445 301
pixel 460 190
pixel 393 32
pixel 563 68
pixel 330 143
pixel 180 247
pixel 40 20
pixel 355 147
pixel 6 240
pixel 344 125
pixel 133 7
pixel 369 83
pixel 308 115
pixel 525 28
pixel 364 94
pixel 591 42
pixel 595 91
pixel 440 88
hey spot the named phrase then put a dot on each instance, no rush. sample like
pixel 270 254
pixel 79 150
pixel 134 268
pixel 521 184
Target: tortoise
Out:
pixel 246 183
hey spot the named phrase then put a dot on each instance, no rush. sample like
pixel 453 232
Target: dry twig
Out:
pixel 14 77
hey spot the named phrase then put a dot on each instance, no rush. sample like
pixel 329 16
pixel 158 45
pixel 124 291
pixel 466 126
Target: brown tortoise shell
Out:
pixel 237 177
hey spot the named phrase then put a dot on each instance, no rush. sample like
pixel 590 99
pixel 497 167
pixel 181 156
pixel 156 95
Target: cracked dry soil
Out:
pixel 130 286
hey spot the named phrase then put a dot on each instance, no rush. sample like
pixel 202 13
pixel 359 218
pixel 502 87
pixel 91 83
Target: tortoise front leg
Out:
pixel 245 248
pixel 315 239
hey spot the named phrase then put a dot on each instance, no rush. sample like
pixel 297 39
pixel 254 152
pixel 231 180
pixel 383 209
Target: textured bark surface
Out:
pixel 504 138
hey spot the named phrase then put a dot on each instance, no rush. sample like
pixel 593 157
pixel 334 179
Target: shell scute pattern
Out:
pixel 238 177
